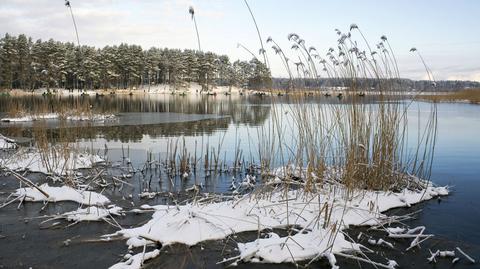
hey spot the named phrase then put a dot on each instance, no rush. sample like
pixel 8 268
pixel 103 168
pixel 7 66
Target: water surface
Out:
pixel 150 126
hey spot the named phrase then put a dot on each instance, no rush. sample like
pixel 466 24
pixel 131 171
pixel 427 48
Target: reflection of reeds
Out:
pixel 16 109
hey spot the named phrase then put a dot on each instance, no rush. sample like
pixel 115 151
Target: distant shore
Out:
pixel 462 96
pixel 471 96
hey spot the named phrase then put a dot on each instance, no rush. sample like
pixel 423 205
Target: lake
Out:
pixel 149 127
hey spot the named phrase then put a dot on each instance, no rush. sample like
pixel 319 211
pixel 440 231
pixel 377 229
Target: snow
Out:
pixel 196 222
pixel 395 230
pixel 7 143
pixel 91 117
pixel 276 249
pixel 92 213
pixel 63 193
pixel 24 118
pixel 51 116
pixel 52 162
pixel 136 261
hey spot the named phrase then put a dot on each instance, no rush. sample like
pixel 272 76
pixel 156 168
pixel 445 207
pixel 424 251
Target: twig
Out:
pixel 28 182
pixel 465 254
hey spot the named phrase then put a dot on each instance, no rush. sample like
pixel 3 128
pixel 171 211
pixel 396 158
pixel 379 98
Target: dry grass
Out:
pixel 366 144
pixel 78 107
pixel 468 95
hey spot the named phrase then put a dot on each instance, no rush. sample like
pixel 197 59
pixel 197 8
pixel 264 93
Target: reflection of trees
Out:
pixel 248 110
pixel 238 108
pixel 127 133
pixel 134 133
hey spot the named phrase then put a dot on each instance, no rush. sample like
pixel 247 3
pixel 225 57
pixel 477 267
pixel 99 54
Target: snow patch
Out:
pixel 7 143
pixel 136 261
pixel 52 162
pixel 59 194
pixel 92 213
pixel 321 229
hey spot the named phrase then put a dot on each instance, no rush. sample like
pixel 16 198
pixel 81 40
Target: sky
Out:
pixel 445 32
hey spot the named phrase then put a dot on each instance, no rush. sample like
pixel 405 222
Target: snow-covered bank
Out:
pixel 64 193
pixel 51 162
pixel 7 143
pixel 52 116
pixel 321 218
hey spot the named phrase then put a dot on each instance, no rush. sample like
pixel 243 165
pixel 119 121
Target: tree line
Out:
pixel 370 84
pixel 29 65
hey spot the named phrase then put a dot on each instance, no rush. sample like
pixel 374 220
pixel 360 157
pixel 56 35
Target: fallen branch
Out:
pixel 28 182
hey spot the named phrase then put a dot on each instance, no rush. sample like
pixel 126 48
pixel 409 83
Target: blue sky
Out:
pixel 445 32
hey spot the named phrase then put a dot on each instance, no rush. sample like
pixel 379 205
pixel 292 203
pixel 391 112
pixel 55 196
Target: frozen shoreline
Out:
pixel 320 217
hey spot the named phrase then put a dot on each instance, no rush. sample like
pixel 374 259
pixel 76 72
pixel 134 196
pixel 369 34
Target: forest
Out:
pixel 29 65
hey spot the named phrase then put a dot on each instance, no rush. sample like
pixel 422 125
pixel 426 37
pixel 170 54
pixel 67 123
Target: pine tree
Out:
pixel 29 65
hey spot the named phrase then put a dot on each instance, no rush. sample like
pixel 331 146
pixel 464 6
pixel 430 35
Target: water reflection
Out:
pixel 456 163
pixel 192 104
pixel 153 115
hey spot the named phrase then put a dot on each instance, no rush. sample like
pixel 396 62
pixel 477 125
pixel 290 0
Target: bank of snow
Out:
pixel 321 218
pixel 51 162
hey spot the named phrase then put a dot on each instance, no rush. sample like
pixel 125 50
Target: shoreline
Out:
pixel 468 96
pixel 195 89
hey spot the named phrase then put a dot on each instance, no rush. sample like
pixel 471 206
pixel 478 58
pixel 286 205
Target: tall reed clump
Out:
pixel 361 145
pixel 56 149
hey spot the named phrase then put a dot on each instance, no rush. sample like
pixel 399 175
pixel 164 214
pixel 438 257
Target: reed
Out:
pixel 467 95
pixel 365 144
